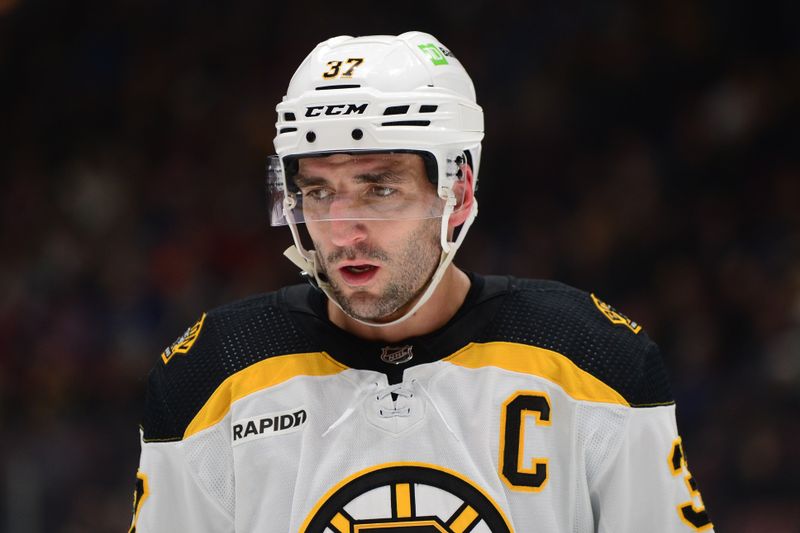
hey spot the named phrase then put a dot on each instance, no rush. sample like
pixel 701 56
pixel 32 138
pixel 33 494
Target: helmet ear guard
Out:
pixel 379 94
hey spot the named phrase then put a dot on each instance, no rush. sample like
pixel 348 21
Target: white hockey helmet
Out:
pixel 379 93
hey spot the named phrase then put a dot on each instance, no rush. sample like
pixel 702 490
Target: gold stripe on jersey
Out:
pixel 536 361
pixel 341 523
pixel 466 518
pixel 259 376
pixel 403 500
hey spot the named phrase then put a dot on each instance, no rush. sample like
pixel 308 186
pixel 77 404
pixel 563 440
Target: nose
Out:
pixel 345 229
pixel 344 233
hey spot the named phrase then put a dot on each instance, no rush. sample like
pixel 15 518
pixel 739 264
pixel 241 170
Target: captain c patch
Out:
pixel 614 316
pixel 183 343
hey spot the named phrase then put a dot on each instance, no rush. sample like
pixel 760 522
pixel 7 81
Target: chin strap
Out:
pixel 307 267
pixel 306 261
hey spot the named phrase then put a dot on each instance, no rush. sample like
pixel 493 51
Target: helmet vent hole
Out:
pixel 407 123
pixel 396 110
pixel 428 108
pixel 334 87
pixel 289 117
pixel 311 136
pixel 357 134
pixel 287 130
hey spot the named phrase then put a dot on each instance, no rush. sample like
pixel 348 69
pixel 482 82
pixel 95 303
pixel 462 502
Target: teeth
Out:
pixel 359 269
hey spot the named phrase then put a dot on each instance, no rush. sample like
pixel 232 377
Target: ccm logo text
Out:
pixel 336 109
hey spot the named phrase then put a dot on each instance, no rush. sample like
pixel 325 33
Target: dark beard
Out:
pixel 405 285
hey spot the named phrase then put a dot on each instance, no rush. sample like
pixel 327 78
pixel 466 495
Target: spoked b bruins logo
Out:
pixel 406 498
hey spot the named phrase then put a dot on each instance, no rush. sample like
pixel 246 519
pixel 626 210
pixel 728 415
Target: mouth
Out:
pixel 358 274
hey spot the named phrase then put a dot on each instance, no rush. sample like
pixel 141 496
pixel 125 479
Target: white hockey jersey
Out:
pixel 536 409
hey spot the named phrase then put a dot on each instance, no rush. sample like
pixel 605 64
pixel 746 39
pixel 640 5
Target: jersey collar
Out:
pixel 307 306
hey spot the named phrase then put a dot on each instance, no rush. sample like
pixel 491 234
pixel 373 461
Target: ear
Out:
pixel 465 195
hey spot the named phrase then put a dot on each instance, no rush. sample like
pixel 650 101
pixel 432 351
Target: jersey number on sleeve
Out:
pixel 512 440
pixel 693 515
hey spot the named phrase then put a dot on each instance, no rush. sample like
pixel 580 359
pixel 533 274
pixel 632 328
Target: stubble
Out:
pixel 410 270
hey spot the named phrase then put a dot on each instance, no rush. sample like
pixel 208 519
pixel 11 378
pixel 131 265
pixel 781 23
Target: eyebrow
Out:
pixel 301 180
pixel 380 177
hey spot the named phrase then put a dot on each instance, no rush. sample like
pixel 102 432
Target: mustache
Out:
pixel 351 253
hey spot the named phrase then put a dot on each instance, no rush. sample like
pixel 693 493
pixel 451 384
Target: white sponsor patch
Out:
pixel 268 425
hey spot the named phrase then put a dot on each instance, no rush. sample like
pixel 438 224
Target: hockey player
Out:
pixel 399 392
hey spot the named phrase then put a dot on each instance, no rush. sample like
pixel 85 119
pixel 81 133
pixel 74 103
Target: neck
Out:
pixel 443 304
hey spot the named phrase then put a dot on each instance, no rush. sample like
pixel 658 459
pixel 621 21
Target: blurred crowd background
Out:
pixel 645 151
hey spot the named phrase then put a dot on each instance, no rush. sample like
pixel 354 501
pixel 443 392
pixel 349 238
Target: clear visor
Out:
pixel 368 186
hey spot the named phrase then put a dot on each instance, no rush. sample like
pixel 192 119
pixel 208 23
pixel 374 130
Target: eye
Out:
pixel 318 194
pixel 382 192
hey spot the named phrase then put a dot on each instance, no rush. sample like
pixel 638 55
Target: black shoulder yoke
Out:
pixel 231 338
pixel 565 320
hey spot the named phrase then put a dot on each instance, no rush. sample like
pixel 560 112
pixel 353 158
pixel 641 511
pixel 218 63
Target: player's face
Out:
pixel 376 266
